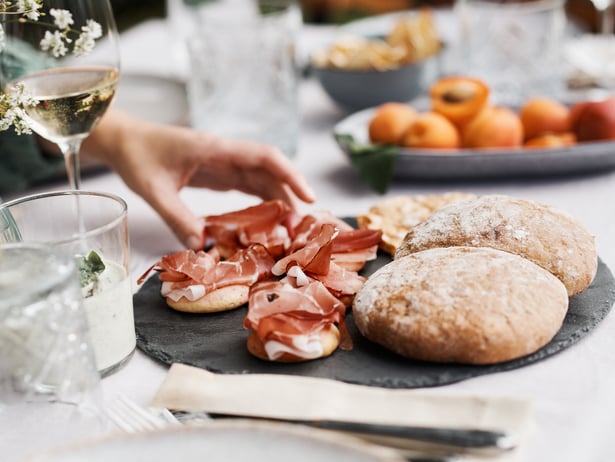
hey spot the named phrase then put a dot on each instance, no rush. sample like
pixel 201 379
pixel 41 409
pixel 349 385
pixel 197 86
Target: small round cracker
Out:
pixel 329 338
pixel 223 299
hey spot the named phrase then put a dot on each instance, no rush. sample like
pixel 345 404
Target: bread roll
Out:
pixel 461 304
pixel 549 237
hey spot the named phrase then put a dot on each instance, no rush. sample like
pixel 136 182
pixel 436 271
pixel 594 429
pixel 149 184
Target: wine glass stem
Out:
pixel 70 150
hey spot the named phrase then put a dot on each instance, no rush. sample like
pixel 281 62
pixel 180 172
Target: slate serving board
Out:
pixel 217 342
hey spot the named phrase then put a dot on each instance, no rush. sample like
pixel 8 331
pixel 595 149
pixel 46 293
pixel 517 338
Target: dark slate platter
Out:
pixel 217 342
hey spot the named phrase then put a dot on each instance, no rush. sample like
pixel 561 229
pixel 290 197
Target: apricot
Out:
pixel 390 122
pixel 494 127
pixel 544 115
pixel 459 99
pixel 431 130
pixel 551 140
pixel 594 120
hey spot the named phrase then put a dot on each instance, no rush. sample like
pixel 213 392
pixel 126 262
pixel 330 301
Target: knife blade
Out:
pixel 471 439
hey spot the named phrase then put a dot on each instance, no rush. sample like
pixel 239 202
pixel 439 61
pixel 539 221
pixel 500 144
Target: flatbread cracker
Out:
pixel 395 216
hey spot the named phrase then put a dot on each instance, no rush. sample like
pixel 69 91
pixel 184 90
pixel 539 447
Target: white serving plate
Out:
pixel 227 440
pixel 486 163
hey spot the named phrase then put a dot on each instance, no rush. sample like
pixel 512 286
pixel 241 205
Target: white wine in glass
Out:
pixel 67 59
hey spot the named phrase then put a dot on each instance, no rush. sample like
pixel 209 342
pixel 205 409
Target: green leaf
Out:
pixel 374 163
pixel 90 267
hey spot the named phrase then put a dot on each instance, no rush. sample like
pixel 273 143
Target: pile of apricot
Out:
pixel 461 116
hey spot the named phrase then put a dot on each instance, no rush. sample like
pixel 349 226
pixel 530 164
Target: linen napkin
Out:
pixel 192 389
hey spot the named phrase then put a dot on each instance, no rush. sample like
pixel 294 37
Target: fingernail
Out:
pixel 194 243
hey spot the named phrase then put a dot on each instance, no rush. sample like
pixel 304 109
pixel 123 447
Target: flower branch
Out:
pixel 56 42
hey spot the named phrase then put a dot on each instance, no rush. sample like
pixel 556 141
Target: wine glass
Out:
pixel 65 55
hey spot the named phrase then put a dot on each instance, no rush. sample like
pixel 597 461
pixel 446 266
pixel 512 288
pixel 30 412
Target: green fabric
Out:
pixel 22 164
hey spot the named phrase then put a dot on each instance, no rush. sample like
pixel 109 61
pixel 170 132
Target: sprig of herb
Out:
pixel 90 268
pixel 374 163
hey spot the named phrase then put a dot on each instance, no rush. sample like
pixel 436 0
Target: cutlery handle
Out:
pixel 463 438
pixel 471 439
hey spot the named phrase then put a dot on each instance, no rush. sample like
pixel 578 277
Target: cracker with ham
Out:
pixel 291 323
pixel 298 275
pixel 199 282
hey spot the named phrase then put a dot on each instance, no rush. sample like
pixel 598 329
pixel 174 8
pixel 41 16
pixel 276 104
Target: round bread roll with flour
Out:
pixel 461 304
pixel 541 233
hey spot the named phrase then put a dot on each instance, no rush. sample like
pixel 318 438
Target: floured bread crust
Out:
pixel 461 304
pixel 549 237
pixel 329 339
pixel 223 299
pixel 395 216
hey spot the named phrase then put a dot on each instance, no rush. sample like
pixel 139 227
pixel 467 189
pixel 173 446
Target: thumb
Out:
pixel 184 224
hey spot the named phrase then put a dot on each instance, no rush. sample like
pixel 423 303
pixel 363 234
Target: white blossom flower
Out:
pixel 29 8
pixel 54 42
pixel 14 102
pixel 84 44
pixel 92 28
pixel 18 96
pixel 62 18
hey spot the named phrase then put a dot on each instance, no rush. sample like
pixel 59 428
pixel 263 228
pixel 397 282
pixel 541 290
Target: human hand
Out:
pixel 157 161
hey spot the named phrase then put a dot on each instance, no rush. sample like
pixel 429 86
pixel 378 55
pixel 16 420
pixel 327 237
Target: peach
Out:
pixel 494 127
pixel 431 130
pixel 594 120
pixel 390 122
pixel 551 140
pixel 544 115
pixel 459 99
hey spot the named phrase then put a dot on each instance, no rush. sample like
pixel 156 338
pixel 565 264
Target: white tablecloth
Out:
pixel 572 392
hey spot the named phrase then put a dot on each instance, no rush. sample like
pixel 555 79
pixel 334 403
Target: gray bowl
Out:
pixel 354 90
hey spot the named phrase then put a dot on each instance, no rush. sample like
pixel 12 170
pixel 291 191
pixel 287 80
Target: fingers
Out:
pixel 184 224
pixel 284 172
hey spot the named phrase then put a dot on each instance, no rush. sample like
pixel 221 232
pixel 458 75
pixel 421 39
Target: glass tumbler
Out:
pixel 44 335
pixel 93 227
pixel 515 46
pixel 245 72
pixel 49 384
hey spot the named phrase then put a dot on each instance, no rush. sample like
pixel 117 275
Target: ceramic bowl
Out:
pixel 359 89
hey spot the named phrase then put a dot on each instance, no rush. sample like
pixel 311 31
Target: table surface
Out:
pixel 572 392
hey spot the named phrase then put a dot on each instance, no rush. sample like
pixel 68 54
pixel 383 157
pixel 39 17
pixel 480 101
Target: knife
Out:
pixel 396 435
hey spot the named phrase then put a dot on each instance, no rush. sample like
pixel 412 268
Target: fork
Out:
pixel 131 417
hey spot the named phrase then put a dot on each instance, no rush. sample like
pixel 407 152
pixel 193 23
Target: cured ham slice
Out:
pixel 293 323
pixel 314 257
pixel 352 248
pixel 316 260
pixel 190 280
pixel 265 224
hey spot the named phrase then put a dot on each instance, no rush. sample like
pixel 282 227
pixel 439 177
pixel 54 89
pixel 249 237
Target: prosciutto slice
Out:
pixel 314 257
pixel 266 224
pixel 351 247
pixel 193 274
pixel 289 319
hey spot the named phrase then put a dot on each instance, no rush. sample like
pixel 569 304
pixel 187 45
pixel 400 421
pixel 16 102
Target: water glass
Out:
pixel 244 71
pixel 92 227
pixel 515 46
pixel 44 335
pixel 49 384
